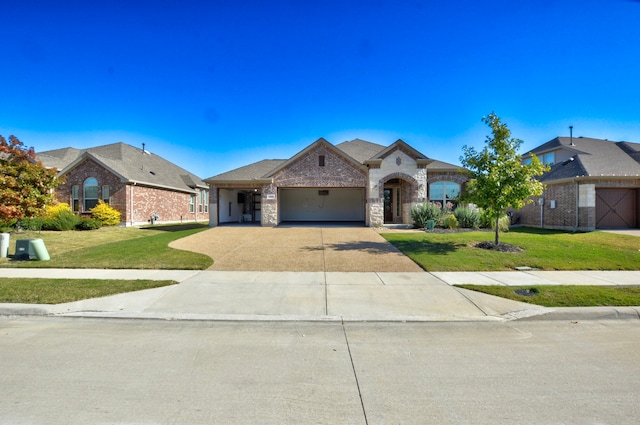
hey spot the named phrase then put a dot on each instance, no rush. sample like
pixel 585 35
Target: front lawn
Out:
pixel 116 248
pixel 542 249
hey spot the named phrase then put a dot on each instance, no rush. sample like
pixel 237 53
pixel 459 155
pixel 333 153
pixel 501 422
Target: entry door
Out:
pixel 388 205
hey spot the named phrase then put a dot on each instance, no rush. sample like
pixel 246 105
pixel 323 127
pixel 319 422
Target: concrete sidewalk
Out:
pixel 320 296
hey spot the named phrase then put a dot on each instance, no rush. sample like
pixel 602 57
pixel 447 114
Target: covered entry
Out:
pixel 321 204
pixel 616 208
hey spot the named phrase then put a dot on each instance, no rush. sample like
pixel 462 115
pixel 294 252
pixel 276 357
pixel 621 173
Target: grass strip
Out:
pixel 57 291
pixel 542 249
pixel 565 295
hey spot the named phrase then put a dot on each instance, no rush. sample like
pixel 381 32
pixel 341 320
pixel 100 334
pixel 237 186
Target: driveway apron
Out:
pixel 298 249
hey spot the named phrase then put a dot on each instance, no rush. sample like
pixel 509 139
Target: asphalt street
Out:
pixel 58 370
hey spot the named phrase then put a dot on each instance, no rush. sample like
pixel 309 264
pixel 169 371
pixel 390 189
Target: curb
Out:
pixel 588 313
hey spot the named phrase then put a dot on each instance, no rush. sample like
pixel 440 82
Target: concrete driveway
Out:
pixel 297 248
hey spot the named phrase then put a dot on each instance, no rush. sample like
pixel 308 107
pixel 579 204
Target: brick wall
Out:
pixel 305 172
pixel 90 168
pixel 171 206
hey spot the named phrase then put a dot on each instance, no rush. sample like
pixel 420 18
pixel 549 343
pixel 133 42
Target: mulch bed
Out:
pixel 501 247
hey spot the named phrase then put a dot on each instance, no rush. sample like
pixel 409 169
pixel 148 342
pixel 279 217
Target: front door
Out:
pixel 388 205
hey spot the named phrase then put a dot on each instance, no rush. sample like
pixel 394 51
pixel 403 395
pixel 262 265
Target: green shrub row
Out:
pixel 62 222
pixel 463 216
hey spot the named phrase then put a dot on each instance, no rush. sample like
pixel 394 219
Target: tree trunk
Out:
pixel 497 229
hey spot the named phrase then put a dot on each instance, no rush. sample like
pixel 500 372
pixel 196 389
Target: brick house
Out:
pixel 133 181
pixel 592 184
pixel 355 181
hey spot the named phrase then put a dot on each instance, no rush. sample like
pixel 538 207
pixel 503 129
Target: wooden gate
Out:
pixel 616 208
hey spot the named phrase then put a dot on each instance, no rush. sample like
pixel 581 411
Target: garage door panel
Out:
pixel 320 204
pixel 616 208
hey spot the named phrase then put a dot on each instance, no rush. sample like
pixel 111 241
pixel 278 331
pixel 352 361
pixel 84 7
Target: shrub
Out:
pixel 425 212
pixel 31 223
pixel 53 211
pixel 88 224
pixel 450 221
pixel 62 221
pixel 106 214
pixel 467 217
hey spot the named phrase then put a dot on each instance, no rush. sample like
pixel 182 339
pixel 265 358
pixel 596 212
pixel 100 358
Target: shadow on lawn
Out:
pixel 175 227
pixel 437 248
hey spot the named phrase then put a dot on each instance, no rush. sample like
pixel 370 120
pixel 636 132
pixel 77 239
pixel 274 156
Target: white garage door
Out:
pixel 329 204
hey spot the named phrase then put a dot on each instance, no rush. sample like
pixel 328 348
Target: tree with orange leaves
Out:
pixel 26 186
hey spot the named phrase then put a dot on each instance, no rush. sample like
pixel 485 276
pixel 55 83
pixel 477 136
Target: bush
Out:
pixel 468 218
pixel 105 214
pixel 425 212
pixel 32 223
pixel 88 224
pixel 62 221
pixel 53 211
pixel 450 221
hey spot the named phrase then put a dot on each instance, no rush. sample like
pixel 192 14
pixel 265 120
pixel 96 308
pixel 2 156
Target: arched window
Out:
pixel 90 190
pixel 444 193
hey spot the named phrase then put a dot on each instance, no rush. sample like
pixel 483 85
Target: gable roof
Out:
pixel 130 164
pixel 360 150
pixel 320 142
pixel 591 158
pixel 401 145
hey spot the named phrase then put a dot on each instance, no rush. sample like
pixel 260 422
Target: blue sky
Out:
pixel 214 85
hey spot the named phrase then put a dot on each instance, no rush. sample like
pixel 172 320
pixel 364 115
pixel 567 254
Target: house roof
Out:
pixel 358 151
pixel 591 158
pixel 258 171
pixel 132 165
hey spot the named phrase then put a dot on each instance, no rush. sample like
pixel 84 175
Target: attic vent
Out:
pixel 323 192
pixel 153 173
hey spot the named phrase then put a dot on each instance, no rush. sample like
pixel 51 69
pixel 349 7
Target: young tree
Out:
pixel 499 179
pixel 25 184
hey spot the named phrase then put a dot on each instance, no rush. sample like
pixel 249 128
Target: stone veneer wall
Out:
pixel 396 165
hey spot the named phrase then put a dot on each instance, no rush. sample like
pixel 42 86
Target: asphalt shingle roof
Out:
pixel 128 162
pixel 360 150
pixel 592 158
pixel 256 171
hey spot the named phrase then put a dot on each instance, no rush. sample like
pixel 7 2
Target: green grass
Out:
pixel 542 249
pixel 566 296
pixel 56 291
pixel 116 248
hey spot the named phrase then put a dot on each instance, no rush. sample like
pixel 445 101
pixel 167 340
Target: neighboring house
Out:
pixel 135 182
pixel 592 184
pixel 355 181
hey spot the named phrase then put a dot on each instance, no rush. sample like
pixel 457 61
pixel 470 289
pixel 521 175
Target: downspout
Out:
pixel 577 206
pixel 131 202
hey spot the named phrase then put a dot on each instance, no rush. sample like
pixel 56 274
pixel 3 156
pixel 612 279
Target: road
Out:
pixel 118 371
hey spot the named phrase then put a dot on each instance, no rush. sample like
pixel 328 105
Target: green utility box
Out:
pixel 24 251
